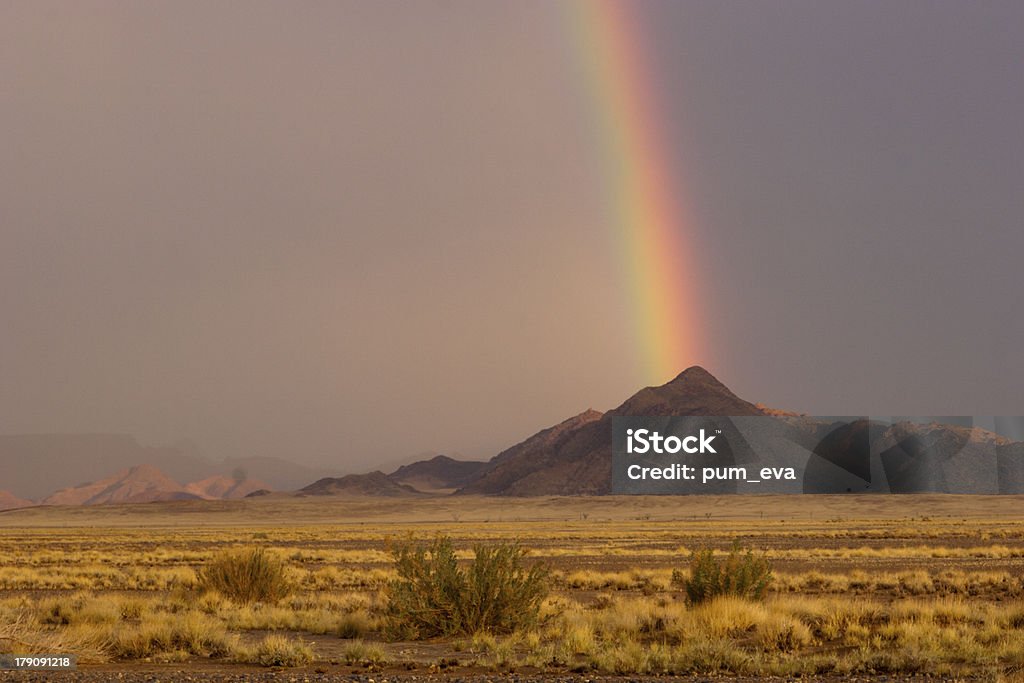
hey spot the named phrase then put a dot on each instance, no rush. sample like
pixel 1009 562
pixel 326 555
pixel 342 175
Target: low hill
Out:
pixel 439 474
pixel 372 484
pixel 9 501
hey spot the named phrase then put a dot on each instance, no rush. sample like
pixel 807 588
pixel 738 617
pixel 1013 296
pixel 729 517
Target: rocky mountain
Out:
pixel 439 474
pixel 139 484
pixel 832 455
pixel 373 484
pixel 9 501
pixel 574 457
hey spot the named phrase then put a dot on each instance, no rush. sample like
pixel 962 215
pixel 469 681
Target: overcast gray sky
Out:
pixel 349 232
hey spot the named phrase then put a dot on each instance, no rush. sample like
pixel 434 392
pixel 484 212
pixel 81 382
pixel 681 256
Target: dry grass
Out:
pixel 275 650
pixel 787 636
pixel 887 589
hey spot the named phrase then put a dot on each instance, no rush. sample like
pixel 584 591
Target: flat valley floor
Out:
pixel 871 587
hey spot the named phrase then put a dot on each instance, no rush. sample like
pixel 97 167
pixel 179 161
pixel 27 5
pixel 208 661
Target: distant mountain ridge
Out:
pixel 33 466
pixel 574 457
pixel 139 484
pixel 148 484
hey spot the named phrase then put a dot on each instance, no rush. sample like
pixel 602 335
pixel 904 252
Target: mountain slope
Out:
pixel 547 438
pixel 577 459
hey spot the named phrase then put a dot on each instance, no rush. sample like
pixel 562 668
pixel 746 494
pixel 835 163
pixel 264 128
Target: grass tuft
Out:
pixel 276 650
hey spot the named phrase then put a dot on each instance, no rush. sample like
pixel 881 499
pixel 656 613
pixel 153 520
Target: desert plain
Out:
pixel 869 586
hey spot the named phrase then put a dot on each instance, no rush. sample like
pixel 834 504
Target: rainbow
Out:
pixel 646 206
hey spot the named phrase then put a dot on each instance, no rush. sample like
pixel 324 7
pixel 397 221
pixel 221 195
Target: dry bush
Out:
pixel 740 573
pixel 246 576
pixel 434 596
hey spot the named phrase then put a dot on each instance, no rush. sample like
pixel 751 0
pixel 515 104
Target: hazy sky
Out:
pixel 349 232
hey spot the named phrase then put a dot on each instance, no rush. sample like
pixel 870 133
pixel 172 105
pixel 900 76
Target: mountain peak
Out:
pixel 694 391
pixel 144 471
pixel 695 374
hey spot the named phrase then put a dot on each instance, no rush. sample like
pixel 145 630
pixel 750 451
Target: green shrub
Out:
pixel 434 596
pixel 246 576
pixel 740 573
